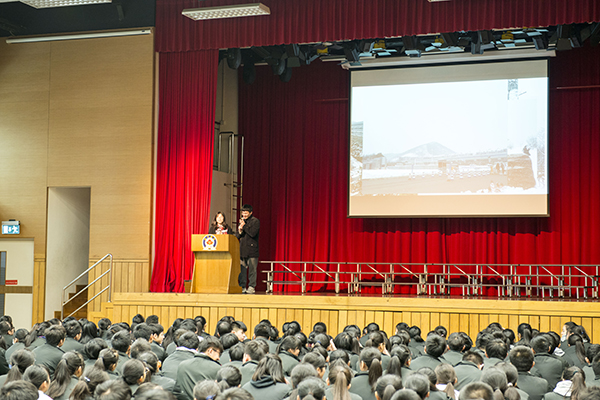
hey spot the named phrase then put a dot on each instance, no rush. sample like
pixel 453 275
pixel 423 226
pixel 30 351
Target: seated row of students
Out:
pixel 192 356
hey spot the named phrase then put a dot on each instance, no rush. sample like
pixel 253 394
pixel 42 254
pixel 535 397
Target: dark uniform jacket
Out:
pixel 123 358
pixel 360 386
pixel 425 361
pixel 249 238
pixel 466 372
pixel 164 382
pixel 247 371
pixel 37 342
pixel 532 385
pixel 72 345
pixel 48 356
pixel 549 368
pixel 15 347
pixel 288 361
pixel 192 371
pixel 452 357
pixel 329 395
pixel 159 351
pixel 169 367
pixel 70 386
pixel 267 389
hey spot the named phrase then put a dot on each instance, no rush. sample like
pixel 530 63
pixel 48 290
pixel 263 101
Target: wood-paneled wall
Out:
pixel 127 276
pixel 468 315
pixel 39 289
pixel 79 113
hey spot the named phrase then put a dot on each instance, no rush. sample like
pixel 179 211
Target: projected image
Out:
pixel 449 138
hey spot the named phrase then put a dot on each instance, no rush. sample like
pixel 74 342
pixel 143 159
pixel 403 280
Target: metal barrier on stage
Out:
pixel 505 280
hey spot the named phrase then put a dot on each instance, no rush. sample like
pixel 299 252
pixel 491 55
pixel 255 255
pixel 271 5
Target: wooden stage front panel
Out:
pixel 456 314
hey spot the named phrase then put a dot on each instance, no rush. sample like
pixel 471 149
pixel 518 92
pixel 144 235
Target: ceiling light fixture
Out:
pixel 61 3
pixel 91 35
pixel 240 10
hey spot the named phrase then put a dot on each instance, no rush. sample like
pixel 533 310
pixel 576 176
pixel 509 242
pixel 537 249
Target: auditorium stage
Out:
pixel 457 314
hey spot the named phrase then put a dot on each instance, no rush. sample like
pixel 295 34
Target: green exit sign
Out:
pixel 11 228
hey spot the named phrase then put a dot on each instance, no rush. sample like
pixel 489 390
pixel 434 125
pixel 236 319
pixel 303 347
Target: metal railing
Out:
pixel 506 280
pixel 108 287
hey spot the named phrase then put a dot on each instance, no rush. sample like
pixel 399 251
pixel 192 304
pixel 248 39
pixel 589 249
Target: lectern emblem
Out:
pixel 209 242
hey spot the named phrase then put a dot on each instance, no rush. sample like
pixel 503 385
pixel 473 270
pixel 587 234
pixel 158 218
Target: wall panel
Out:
pixel 469 315
pixel 80 113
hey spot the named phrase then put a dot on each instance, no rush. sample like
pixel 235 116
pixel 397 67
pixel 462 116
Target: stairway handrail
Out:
pixel 109 271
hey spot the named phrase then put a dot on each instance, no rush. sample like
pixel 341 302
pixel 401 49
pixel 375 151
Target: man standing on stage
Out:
pixel 248 235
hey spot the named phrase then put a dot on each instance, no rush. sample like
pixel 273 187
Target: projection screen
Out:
pixel 449 141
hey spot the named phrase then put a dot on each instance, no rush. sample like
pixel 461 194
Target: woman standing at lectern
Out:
pixel 219 226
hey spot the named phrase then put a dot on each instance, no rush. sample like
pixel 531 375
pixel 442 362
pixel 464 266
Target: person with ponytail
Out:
pixel 18 343
pixel 113 390
pixel 311 389
pixel 36 337
pixel 378 340
pixel 38 376
pixel 363 383
pixel 318 361
pixel 206 390
pixel 497 379
pixel 19 362
pixel 107 362
pixel 268 381
pixel 446 379
pixel 92 350
pixel 419 383
pixel 228 377
pixel 134 374
pixel 576 350
pixel 512 376
pixel 85 388
pixel 154 375
pixel 525 334
pixel 345 341
pixel 66 376
pixel 570 387
pixel 288 350
pixel 400 361
pixel 338 380
pixel 405 394
pixel 386 386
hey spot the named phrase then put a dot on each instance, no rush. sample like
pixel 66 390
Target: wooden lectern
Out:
pixel 217 264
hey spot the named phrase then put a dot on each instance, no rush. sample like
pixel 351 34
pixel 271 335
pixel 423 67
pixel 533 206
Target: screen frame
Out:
pixel 427 65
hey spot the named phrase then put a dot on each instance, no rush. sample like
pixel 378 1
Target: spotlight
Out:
pixel 294 55
pixel 412 46
pixel 234 58
pixel 450 39
pixel 595 35
pixel 563 33
pixel 540 42
pixel 351 53
pixel 278 67
pixel 286 75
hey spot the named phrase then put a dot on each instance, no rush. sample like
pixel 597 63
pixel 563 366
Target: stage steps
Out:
pixel 75 304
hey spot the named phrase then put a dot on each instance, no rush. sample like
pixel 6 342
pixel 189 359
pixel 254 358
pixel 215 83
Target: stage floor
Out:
pixel 338 310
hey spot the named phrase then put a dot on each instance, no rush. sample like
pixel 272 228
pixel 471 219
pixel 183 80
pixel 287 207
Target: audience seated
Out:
pixel 230 366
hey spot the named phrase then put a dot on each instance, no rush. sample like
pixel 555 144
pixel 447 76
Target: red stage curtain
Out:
pixel 187 86
pixel 306 21
pixel 295 176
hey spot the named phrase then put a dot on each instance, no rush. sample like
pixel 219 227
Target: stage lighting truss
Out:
pixel 521 43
